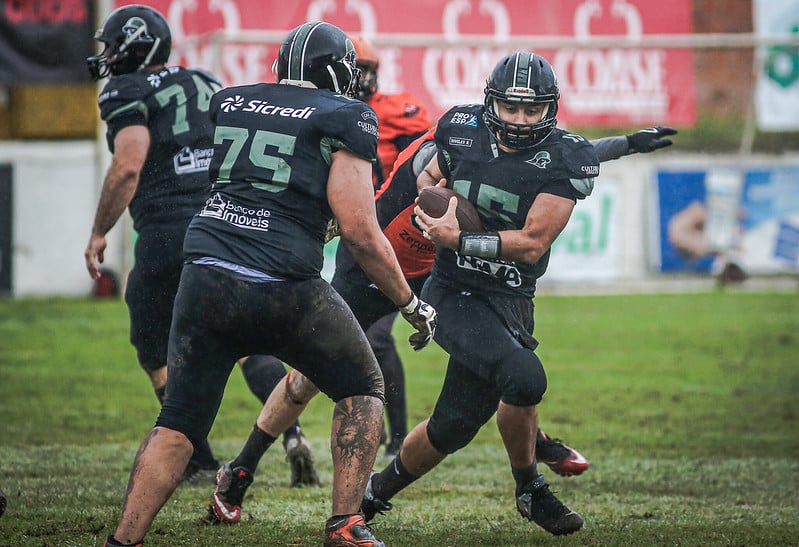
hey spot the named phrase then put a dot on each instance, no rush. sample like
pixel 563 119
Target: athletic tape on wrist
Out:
pixel 487 245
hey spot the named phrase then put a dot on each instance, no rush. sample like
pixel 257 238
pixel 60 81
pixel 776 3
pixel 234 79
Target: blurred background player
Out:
pixel 401 119
pixel 160 137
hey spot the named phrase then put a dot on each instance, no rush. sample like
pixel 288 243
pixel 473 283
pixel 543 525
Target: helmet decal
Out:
pixel 135 37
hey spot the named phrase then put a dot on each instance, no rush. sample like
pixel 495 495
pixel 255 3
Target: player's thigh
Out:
pixel 150 293
pixel 470 330
pixel 329 346
pixel 201 354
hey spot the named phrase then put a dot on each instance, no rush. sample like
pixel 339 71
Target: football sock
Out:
pixel 160 393
pixel 257 444
pixel 524 476
pixel 391 480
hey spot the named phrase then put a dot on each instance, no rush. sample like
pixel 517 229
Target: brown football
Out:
pixel 434 201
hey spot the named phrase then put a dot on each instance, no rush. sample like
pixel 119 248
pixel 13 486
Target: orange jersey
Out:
pixel 394 204
pixel 400 119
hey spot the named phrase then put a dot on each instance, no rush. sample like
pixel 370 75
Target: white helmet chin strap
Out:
pixel 333 77
pixel 151 53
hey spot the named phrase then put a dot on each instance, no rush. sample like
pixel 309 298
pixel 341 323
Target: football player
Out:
pixel 288 157
pixel 524 176
pixel 415 253
pixel 160 136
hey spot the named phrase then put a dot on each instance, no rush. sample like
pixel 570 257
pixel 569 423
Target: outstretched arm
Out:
pixel 643 141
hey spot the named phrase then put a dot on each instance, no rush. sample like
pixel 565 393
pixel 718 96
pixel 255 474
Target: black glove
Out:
pixel 422 317
pixel 650 139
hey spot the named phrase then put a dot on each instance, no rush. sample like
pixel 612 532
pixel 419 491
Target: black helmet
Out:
pixel 135 37
pixel 526 78
pixel 319 53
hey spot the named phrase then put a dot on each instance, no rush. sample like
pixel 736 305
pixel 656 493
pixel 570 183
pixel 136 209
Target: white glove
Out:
pixel 423 318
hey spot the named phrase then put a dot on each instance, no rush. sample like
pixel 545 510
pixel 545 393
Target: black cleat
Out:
pixel 231 485
pixel 538 504
pixel 372 505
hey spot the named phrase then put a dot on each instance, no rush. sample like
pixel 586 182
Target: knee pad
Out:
pixel 450 433
pixel 521 379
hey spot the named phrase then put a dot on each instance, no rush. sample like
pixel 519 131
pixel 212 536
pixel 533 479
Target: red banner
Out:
pixel 612 86
pixel 44 41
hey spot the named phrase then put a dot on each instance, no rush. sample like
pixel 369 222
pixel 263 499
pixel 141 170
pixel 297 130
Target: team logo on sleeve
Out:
pixel 540 160
pixel 231 104
pixel 464 118
pixel 590 169
pixel 154 80
pixel 368 127
pixel 460 141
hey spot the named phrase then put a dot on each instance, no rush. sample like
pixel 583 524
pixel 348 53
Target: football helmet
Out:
pixel 525 78
pixel 135 36
pixel 367 62
pixel 319 53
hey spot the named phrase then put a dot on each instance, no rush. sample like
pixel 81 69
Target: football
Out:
pixel 434 201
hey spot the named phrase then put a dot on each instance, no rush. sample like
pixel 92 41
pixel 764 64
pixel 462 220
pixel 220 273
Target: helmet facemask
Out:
pixel 520 136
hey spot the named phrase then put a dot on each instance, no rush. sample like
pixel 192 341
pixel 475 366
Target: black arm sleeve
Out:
pixel 611 148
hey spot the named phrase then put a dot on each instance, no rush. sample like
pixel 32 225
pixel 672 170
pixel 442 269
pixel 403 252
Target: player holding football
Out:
pixel 395 203
pixel 524 176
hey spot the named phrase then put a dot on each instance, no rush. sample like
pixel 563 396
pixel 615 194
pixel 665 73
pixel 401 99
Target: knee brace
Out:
pixel 520 378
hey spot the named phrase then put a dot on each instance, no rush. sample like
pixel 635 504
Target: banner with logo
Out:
pixel 588 249
pixel 766 230
pixel 600 87
pixel 777 88
pixel 45 41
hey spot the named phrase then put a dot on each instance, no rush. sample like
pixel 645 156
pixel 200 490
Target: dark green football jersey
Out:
pixel 173 104
pixel 503 187
pixel 273 146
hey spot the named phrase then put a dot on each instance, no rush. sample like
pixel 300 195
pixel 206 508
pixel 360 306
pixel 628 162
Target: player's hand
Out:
pixel 95 254
pixel 650 139
pixel 423 318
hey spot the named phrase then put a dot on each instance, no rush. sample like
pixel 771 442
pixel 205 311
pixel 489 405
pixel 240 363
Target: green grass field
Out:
pixel 686 405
